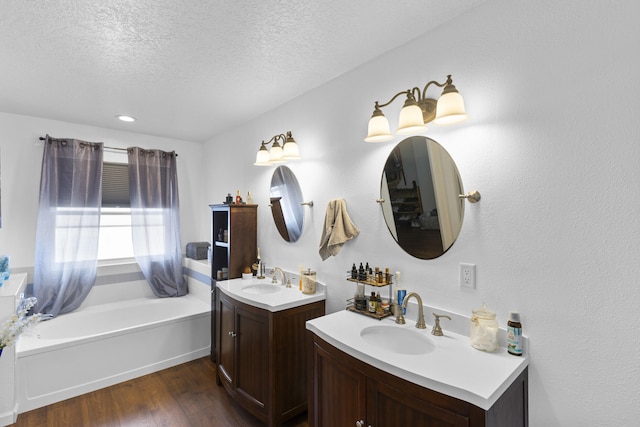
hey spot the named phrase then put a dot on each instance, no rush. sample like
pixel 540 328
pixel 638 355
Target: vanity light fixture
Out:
pixel 418 110
pixel 278 153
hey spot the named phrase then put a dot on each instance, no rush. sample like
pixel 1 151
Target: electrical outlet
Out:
pixel 467 275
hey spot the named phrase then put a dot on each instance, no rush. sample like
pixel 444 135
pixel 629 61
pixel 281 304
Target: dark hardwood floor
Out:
pixel 182 396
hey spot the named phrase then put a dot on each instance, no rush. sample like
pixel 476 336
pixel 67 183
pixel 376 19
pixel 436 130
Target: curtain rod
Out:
pixel 42 138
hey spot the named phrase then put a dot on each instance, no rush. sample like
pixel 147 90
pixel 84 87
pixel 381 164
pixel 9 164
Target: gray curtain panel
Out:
pixel 68 224
pixel 155 220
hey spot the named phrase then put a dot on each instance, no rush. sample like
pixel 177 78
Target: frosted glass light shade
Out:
pixel 378 130
pixel 411 120
pixel 450 109
pixel 262 158
pixel 276 153
pixel 290 150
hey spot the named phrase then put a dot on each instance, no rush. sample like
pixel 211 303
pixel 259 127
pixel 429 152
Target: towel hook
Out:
pixel 379 200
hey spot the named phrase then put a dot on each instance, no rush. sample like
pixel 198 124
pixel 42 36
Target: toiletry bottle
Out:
pixel 372 303
pixel 514 334
pixel 256 266
pixel 249 198
pixel 238 198
pixel 361 274
pixel 401 293
pixel 360 300
pixel 300 281
pixel 379 309
pixel 354 271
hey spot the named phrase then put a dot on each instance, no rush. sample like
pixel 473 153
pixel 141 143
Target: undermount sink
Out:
pixel 261 289
pixel 397 339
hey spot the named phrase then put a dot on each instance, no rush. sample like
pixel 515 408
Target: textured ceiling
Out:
pixel 188 69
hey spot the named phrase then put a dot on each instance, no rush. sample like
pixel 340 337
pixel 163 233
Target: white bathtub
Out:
pixel 106 342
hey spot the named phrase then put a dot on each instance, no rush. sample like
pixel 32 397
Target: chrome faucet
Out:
pixel 275 278
pixel 420 324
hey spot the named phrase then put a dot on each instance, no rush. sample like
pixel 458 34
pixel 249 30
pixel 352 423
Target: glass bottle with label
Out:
pixel 514 334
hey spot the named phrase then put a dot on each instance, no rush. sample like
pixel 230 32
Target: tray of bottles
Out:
pixel 373 282
pixel 380 314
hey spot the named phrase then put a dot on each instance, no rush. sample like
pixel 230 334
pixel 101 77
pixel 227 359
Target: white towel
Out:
pixel 338 229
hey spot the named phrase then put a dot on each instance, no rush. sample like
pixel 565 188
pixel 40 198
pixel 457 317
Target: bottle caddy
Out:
pixel 374 305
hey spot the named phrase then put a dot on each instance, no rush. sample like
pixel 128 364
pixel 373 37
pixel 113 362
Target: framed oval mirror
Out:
pixel 286 204
pixel 421 189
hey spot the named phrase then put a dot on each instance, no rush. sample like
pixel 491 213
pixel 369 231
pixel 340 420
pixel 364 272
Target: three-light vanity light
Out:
pixel 283 148
pixel 418 110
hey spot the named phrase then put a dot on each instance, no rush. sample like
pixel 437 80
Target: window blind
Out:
pixel 115 185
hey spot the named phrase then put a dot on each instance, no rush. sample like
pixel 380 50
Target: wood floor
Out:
pixel 182 396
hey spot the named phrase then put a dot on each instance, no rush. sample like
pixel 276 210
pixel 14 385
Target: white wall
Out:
pixel 21 157
pixel 549 145
pixel 553 146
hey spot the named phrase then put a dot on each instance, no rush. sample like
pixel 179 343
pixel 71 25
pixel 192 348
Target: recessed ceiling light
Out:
pixel 126 118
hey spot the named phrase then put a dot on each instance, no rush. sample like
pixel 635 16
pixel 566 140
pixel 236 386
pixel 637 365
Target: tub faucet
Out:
pixel 275 278
pixel 420 324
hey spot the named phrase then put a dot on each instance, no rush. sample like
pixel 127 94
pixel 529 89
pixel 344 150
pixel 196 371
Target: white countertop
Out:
pixel 282 299
pixel 454 368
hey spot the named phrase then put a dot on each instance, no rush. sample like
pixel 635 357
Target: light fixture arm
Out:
pixel 274 139
pixel 408 92
pixel 415 92
pixel 433 82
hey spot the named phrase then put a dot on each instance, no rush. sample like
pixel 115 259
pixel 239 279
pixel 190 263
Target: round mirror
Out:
pixel 286 204
pixel 421 189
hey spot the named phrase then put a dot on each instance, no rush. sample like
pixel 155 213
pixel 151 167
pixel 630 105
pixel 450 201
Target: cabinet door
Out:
pixel 252 356
pixel 339 393
pixel 389 406
pixel 227 339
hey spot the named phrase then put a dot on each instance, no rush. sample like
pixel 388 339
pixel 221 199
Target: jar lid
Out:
pixel 484 312
pixel 514 316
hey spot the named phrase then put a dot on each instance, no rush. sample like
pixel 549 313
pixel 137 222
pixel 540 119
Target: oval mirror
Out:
pixel 286 204
pixel 421 189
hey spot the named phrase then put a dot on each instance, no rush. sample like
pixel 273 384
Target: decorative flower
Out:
pixel 16 324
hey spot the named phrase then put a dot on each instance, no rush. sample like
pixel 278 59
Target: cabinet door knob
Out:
pixel 232 334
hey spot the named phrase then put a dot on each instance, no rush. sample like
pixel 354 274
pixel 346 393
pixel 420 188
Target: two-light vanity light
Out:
pixel 418 110
pixel 278 153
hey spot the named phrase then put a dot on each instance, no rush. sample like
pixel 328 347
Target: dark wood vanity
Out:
pixel 344 391
pixel 262 357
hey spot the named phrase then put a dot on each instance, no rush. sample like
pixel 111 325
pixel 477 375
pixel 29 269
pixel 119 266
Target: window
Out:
pixel 115 221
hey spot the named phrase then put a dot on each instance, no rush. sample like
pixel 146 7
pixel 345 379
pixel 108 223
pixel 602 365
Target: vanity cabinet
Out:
pixel 345 391
pixel 239 249
pixel 262 357
pixel 235 252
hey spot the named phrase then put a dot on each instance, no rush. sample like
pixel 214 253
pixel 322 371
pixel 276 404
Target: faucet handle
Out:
pixel 437 330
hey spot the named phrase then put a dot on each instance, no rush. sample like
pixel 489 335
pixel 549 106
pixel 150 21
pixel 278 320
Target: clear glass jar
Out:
pixel 309 282
pixel 484 329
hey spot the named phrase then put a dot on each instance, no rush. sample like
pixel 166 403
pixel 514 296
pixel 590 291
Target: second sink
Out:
pixel 397 339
